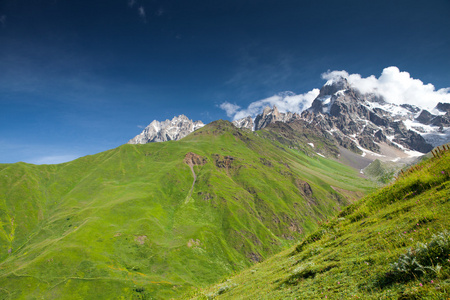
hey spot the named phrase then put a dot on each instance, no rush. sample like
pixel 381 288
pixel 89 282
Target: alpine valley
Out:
pixel 185 205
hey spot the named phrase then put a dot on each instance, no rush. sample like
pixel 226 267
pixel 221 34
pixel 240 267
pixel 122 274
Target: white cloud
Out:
pixel 229 108
pixel 131 3
pixel 141 11
pixel 3 20
pixel 396 87
pixel 286 101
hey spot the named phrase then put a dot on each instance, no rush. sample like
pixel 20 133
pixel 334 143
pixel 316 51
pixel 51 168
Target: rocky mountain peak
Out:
pixel 363 122
pixel 444 107
pixel 334 85
pixel 272 115
pixel 168 130
pixel 246 123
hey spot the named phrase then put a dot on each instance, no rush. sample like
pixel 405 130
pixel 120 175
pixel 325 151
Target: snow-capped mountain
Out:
pixel 366 123
pixel 168 130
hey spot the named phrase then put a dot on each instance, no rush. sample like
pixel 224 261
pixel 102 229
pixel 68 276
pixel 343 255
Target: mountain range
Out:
pixel 184 205
pixel 364 124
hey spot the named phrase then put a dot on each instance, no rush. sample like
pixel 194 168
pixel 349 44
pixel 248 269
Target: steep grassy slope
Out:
pixel 393 244
pixel 132 223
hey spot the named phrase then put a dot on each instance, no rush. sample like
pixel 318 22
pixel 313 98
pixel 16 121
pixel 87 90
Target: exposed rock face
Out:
pixel 444 107
pixel 272 115
pixel 192 159
pixel 246 123
pixel 304 187
pixel 168 130
pixel 224 162
pixel 425 117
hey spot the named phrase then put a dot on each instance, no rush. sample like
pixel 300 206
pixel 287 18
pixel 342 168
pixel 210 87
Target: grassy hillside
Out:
pixel 393 244
pixel 132 223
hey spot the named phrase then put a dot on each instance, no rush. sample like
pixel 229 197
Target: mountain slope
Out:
pixel 152 220
pixel 363 252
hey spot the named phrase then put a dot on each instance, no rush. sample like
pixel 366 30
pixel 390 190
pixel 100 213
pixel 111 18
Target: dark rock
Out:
pixel 379 136
pixel 442 121
pixel 224 162
pixel 411 108
pixel 425 117
pixel 444 107
pixel 368 143
pixel 304 187
pixel 414 141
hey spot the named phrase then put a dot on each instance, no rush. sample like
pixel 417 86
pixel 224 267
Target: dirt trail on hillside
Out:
pixel 193 183
pixel 192 159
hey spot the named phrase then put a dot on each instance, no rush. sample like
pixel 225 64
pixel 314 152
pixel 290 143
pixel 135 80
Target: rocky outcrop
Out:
pixel 425 117
pixel 192 159
pixel 272 115
pixel 168 130
pixel 304 187
pixel 245 123
pixel 223 162
pixel 444 107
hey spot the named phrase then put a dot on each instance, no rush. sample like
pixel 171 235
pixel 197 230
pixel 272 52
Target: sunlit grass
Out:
pixel 366 251
pixel 118 224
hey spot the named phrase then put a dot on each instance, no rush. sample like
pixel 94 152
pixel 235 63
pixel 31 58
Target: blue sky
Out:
pixel 80 77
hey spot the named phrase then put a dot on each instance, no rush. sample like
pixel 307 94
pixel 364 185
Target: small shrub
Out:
pixel 425 258
pixel 304 271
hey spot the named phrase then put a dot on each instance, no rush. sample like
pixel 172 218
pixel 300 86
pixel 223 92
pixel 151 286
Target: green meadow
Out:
pixel 392 244
pixel 131 223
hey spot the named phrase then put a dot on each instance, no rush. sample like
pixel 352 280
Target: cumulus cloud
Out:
pixel 286 101
pixel 229 108
pixel 396 87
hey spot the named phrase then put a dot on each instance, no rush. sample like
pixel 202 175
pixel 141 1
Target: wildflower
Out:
pixel 442 172
pixel 420 284
pixel 432 281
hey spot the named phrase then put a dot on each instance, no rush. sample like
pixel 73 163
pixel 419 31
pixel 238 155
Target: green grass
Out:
pixel 393 244
pixel 121 225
